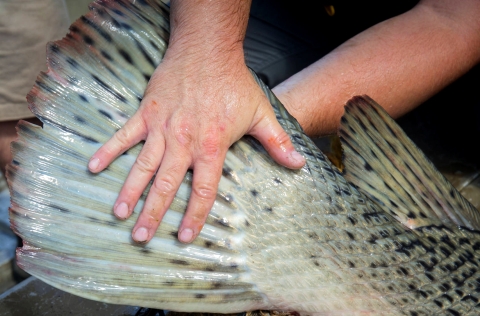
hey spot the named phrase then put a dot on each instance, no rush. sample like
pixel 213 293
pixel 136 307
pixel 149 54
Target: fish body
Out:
pixel 389 236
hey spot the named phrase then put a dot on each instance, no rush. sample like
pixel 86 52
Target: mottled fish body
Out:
pixel 390 236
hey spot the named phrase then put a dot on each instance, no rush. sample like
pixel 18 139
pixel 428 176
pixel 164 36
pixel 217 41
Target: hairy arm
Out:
pixel 400 63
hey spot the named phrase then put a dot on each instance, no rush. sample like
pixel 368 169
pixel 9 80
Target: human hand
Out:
pixel 192 111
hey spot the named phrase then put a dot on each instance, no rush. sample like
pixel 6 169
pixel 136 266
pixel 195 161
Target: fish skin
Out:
pixel 303 240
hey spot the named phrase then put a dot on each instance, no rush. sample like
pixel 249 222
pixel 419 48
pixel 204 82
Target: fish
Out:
pixel 387 235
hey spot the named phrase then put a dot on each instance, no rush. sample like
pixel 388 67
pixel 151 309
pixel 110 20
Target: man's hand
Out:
pixel 199 101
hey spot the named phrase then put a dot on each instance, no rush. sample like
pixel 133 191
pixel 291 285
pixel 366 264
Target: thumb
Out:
pixel 276 141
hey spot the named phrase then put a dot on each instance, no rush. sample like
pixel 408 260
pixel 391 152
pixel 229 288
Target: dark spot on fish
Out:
pixel 169 283
pixel 44 86
pixel 329 199
pixel 268 209
pixel 469 297
pixel 208 244
pixel 413 313
pixel 126 56
pixel 93 219
pixel 209 269
pixel 452 194
pixel 153 44
pixel 247 223
pixel 404 300
pixel 88 40
pixel 111 223
pixel 109 89
pixel 411 215
pixel 97 28
pixel 448 297
pixel 118 12
pixel 72 62
pixel 403 271
pixel 234 265
pixel 216 285
pixel 145 250
pixel 344 119
pixel 15 162
pixel 350 235
pixel 387 186
pixel 346 192
pixel 438 303
pixel 126 26
pixel 373 239
pixel 179 262
pixel 373 265
pixel 445 251
pixel 106 114
pixel 315 262
pixel 352 220
pixel 368 167
pixel 277 180
pixel 254 192
pixel 83 98
pixel 312 235
pixel 106 55
pixel 384 233
pixel 145 54
pixel 422 214
pixel 223 221
pixel 199 295
pixel 453 312
pixel 429 276
pixel 74 29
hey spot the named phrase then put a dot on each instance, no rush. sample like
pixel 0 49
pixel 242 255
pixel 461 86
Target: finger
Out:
pixel 142 171
pixel 169 177
pixel 276 141
pixel 206 176
pixel 129 135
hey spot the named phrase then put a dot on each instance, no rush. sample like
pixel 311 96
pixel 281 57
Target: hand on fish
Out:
pixel 193 109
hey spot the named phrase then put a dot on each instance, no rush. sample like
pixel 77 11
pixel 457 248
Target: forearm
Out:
pixel 209 31
pixel 400 63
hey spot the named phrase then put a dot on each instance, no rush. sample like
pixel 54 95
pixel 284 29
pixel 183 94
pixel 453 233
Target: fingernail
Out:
pixel 140 235
pixel 186 235
pixel 296 157
pixel 93 164
pixel 121 211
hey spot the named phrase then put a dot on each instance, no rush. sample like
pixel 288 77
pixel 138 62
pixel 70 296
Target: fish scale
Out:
pixel 387 237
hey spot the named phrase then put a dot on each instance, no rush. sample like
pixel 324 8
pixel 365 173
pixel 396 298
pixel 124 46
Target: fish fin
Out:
pixel 383 162
pixel 95 81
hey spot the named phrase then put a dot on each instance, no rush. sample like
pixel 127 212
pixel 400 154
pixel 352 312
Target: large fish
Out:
pixel 390 236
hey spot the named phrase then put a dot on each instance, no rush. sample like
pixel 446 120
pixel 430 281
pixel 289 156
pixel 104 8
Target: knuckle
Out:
pixel 211 145
pixel 165 185
pixel 281 139
pixel 183 134
pixel 146 163
pixel 206 191
pixel 122 138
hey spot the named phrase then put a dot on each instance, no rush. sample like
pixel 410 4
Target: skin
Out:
pixel 202 98
pixel 400 63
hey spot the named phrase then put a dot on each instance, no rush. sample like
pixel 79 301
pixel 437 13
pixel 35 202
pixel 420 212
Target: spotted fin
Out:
pixel 383 162
pixel 95 81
